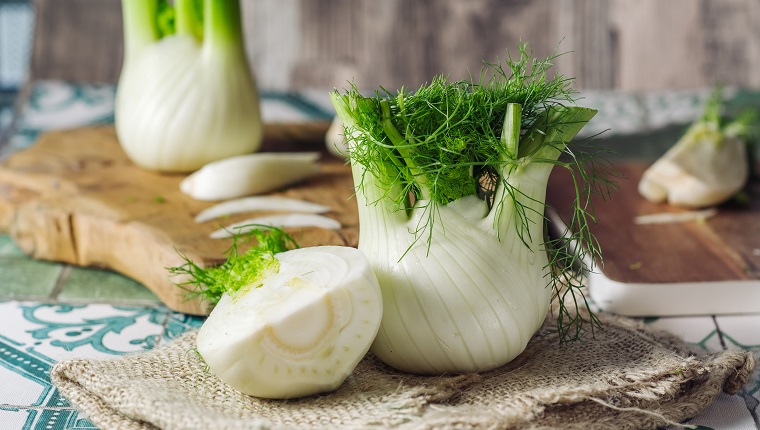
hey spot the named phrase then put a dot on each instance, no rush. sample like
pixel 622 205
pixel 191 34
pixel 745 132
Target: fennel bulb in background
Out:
pixel 708 165
pixel 186 95
pixel 466 272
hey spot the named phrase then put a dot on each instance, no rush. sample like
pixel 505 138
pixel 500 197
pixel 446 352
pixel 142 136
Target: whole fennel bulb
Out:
pixel 466 280
pixel 186 95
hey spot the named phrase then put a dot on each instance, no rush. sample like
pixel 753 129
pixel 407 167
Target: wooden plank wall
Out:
pixel 625 45
pixel 77 40
pixel 617 44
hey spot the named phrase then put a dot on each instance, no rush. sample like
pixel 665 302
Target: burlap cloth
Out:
pixel 627 377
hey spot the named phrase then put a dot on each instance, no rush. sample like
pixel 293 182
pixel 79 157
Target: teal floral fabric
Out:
pixel 34 336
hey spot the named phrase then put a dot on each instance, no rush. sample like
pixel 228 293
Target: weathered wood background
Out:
pixel 293 44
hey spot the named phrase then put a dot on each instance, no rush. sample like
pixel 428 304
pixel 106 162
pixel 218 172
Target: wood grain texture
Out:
pixel 77 40
pixel 722 248
pixel 733 42
pixel 659 44
pixel 615 44
pixel 584 28
pixel 297 44
pixel 396 43
pixel 74 197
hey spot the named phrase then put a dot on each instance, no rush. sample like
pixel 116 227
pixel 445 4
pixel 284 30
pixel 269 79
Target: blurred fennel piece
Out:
pixel 708 165
pixel 186 95
pixel 467 281
pixel 287 322
pixel 334 140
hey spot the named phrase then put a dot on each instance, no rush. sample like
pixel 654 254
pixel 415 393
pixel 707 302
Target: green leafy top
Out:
pixel 240 272
pixel 439 142
pixel 714 125
pixel 214 22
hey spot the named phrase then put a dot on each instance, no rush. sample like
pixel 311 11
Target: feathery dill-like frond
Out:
pixel 241 271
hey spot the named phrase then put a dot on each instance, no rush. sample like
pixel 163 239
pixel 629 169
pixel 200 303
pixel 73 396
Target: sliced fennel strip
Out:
pixel 250 174
pixel 670 218
pixel 278 221
pixel 260 204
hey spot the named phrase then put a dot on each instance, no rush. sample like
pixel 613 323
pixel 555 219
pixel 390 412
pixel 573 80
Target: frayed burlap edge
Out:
pixel 639 399
pixel 632 403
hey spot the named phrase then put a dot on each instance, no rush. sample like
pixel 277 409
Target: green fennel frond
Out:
pixel 427 144
pixel 240 272
pixel 574 251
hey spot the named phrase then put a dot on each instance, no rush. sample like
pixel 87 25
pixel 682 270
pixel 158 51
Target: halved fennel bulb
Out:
pixel 707 166
pixel 697 172
pixel 301 332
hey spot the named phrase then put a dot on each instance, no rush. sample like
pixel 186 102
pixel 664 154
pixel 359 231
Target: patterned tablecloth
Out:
pixel 50 312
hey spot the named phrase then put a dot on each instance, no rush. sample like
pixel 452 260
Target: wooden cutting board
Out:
pixel 74 197
pixel 704 266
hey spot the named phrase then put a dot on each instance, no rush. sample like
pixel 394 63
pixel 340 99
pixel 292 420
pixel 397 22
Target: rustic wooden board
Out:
pixel 722 248
pixel 74 197
pixel 709 266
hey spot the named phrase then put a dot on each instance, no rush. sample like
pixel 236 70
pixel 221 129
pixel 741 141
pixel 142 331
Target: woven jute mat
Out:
pixel 626 377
